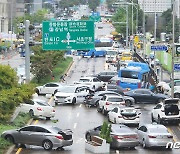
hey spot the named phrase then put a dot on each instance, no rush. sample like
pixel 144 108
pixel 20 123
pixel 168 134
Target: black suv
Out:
pixel 106 76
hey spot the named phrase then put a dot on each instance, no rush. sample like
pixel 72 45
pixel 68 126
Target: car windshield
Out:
pixel 115 99
pixel 157 130
pixel 111 52
pixel 84 80
pixel 42 103
pixel 56 129
pixel 67 89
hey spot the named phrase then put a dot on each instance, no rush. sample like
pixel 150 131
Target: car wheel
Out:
pixel 55 91
pixel 73 100
pixel 108 118
pixel 97 103
pixel 128 103
pixel 144 144
pixel 47 145
pixel 152 118
pixel 10 138
pixel 104 111
pixel 48 118
pixel 177 95
pixel 31 113
pixel 88 137
pixel 115 121
pixel 159 120
pixel 37 91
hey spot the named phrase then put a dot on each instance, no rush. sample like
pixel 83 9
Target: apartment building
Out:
pixel 4 16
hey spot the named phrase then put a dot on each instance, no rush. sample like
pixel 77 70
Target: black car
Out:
pixel 115 88
pixel 106 76
pixel 145 95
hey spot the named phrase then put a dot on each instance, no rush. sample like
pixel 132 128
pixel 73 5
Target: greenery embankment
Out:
pixel 20 121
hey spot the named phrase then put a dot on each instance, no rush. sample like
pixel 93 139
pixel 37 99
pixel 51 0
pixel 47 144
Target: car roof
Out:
pixel 120 129
pixel 114 96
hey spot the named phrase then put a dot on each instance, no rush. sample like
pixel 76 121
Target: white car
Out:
pixel 71 94
pixel 38 108
pixel 127 115
pixel 93 82
pixel 48 88
pixel 167 111
pixel 109 102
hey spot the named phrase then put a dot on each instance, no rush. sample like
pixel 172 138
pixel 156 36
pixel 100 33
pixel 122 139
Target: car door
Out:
pixel 102 101
pixel 52 88
pixel 38 135
pixel 46 88
pixel 97 83
pixel 137 94
pixel 24 135
pixel 81 93
pixel 157 110
pixel 26 106
pixel 142 133
pixel 148 96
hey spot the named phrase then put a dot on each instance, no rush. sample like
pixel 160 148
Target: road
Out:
pixel 80 118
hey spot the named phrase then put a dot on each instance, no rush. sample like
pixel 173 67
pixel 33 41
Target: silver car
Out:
pixel 154 135
pixel 122 136
pixel 49 137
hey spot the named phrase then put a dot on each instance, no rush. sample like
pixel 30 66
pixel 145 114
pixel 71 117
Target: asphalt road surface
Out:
pixel 80 118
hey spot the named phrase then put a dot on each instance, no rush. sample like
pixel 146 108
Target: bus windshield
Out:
pixel 129 74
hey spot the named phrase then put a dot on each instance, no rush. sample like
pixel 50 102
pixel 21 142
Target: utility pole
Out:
pixel 132 26
pixel 27 53
pixel 155 27
pixel 173 49
pixel 11 23
pixel 144 45
pixel 127 23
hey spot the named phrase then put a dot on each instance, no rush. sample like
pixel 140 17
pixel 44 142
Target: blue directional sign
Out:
pixel 177 67
pixel 159 48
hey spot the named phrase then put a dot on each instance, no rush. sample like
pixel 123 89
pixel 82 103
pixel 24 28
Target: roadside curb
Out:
pixel 11 148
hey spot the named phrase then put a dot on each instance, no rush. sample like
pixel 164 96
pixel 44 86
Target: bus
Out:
pixel 103 42
pixel 134 76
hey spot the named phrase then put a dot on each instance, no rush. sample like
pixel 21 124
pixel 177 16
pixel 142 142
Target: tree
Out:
pixel 93 4
pixel 8 77
pixel 105 132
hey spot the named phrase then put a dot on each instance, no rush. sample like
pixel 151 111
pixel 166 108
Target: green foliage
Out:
pixel 8 77
pixel 69 3
pixel 105 132
pixel 11 98
pixel 93 4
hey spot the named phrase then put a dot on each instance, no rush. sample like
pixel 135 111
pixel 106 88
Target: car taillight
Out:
pixel 150 136
pixel 59 137
pixel 118 137
pixel 39 109
pixel 130 136
pixel 107 103
pixel 139 85
pixel 170 136
pixel 53 110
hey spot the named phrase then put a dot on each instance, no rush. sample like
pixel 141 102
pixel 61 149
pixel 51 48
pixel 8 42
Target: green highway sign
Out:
pixel 67 35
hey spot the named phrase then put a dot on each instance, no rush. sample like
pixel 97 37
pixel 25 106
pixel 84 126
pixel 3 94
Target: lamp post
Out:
pixel 155 27
pixel 11 22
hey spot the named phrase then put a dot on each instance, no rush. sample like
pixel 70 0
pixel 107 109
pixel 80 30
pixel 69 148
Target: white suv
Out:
pixel 93 82
pixel 109 102
pixel 167 111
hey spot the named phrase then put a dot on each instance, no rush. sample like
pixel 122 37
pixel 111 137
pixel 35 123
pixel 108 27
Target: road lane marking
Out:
pixel 173 134
pixel 117 151
pixel 75 125
pixel 80 105
pixel 36 122
pixel 50 100
pixel 77 115
pixel 106 66
pixel 19 150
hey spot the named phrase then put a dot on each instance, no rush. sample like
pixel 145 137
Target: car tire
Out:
pixel 48 118
pixel 37 91
pixel 104 112
pixel 108 118
pixel 10 138
pixel 55 91
pixel 144 144
pixel 88 137
pixel 73 100
pixel 47 145
pixel 31 113
pixel 152 118
pixel 97 103
pixel 115 121
pixel 176 95
pixel 159 120
pixel 128 103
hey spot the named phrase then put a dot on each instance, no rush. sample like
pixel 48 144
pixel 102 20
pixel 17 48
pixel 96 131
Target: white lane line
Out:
pixel 77 115
pixel 75 125
pixel 80 105
pixel 117 151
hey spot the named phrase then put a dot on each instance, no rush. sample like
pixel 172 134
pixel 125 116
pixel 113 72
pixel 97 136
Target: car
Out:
pixel 145 95
pixel 115 88
pixel 154 135
pixel 37 108
pixel 49 137
pixel 71 94
pixel 48 88
pixel 105 76
pixel 92 100
pixel 122 136
pixel 126 55
pixel 166 111
pixel 109 102
pixel 126 115
pixel 91 81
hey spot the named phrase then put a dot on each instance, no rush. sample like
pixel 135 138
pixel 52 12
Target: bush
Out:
pixel 105 132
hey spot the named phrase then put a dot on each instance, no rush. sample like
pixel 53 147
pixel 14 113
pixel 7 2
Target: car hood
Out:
pixel 64 94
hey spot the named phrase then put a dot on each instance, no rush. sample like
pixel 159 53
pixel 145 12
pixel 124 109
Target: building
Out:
pixel 4 16
pixel 151 6
pixel 177 8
